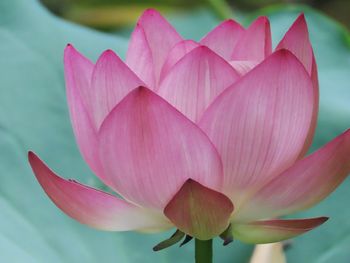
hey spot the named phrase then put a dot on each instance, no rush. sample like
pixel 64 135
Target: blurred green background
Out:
pixel 109 14
pixel 34 116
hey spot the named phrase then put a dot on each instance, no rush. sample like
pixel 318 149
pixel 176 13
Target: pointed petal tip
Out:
pixel 229 22
pixel 189 41
pixel 38 166
pixel 201 51
pixel 344 137
pixel 142 90
pixel 323 219
pixel 297 40
pixel 31 156
pixel 347 136
pixel 255 43
pixel 149 12
pixel 262 20
pixel 310 223
pixel 69 48
pixel 137 94
pixel 223 38
pixel 201 48
pixel 227 241
pixel 284 52
pixel 107 54
pixel 70 52
pixel 190 181
pixel 301 18
pixel 186 240
pixel 300 22
pixel 156 248
pixel 175 238
pixel 286 56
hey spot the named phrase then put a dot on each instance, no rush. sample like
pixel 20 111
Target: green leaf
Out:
pixel 34 116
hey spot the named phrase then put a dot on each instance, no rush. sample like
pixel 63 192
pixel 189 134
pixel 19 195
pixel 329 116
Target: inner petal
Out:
pixel 243 66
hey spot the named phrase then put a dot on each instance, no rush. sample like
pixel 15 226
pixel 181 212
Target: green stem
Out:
pixel 204 251
pixel 221 8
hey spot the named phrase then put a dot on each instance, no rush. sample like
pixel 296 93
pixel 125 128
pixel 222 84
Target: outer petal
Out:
pixel 223 38
pixel 196 80
pixel 304 184
pixel 260 123
pixel 270 231
pixel 149 150
pixel 177 52
pixel 199 211
pixel 111 81
pixel 160 37
pixel 297 41
pixel 93 207
pixel 78 71
pixel 255 43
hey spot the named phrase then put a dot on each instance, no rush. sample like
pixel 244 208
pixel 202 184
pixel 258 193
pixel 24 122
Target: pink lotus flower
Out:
pixel 207 137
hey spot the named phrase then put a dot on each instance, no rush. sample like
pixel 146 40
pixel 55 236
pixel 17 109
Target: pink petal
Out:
pixel 149 150
pixel 243 66
pixel 93 207
pixel 297 41
pixel 260 123
pixel 312 129
pixel 176 53
pixel 111 81
pixel 139 57
pixel 158 38
pixel 223 38
pixel 78 71
pixel 270 231
pixel 255 43
pixel 303 185
pixel 199 211
pixel 196 80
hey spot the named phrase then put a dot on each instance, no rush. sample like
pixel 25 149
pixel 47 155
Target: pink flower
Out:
pixel 203 136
